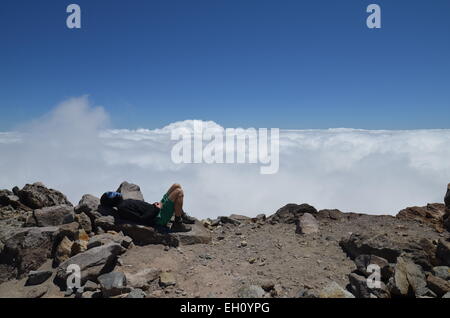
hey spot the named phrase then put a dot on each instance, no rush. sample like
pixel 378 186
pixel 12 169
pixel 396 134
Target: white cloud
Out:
pixel 72 149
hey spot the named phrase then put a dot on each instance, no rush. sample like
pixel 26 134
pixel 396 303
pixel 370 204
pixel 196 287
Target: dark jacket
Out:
pixel 137 211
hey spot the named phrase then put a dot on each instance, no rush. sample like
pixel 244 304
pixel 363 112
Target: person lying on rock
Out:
pixel 157 214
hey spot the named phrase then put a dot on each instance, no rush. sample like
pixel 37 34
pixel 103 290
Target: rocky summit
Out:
pixel 296 252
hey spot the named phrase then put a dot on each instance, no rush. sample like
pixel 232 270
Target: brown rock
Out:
pixel 63 251
pixel 431 215
pixel 438 285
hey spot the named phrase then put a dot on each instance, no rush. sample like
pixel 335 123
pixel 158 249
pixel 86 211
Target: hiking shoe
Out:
pixel 187 219
pixel 162 229
pixel 180 227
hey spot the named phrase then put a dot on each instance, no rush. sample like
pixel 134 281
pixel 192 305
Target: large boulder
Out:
pixel 334 215
pixel 89 205
pixel 379 245
pixel 8 198
pixel 141 279
pixel 92 263
pixel 198 235
pixel 307 224
pixel 363 261
pixel 54 216
pixel 290 213
pixel 431 215
pixel 37 277
pixel 27 249
pixel 130 191
pixel 144 235
pixel 38 196
pixel 409 279
pixel 360 288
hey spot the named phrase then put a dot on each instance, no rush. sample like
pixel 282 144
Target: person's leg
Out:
pixel 177 196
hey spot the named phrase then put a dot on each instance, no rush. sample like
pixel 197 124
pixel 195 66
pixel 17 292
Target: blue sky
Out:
pixel 266 63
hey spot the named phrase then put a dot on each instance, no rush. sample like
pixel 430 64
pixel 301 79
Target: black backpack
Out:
pixel 111 199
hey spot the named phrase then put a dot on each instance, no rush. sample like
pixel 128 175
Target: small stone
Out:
pixel 167 279
pixel 243 243
pixel 113 284
pixel 137 293
pixel 37 292
pixel 90 286
pixel 267 285
pixel 277 291
pixel 252 260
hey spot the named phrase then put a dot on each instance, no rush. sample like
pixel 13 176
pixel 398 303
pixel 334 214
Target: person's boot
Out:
pixel 186 219
pixel 178 226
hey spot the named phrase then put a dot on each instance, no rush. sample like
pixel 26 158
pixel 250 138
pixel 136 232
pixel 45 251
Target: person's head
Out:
pixel 111 199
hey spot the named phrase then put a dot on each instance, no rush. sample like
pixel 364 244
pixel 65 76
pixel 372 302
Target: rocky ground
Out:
pixel 296 252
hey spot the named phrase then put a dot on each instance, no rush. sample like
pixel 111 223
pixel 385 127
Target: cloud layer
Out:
pixel 74 149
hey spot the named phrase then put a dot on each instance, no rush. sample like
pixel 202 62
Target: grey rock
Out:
pixel 144 235
pixel 92 263
pixel 107 223
pixel 107 238
pixel 290 213
pixel 37 291
pixel 197 235
pixel 252 291
pixel 90 286
pixel 306 293
pixel 37 277
pixel 447 295
pixel 333 290
pixel 54 215
pixel 409 280
pixel 26 249
pixel 130 191
pixel 37 196
pixel 228 220
pixel 136 293
pixel 142 278
pixel 330 215
pixel 442 272
pixel 89 205
pixel 113 284
pixel 360 288
pixel 307 224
